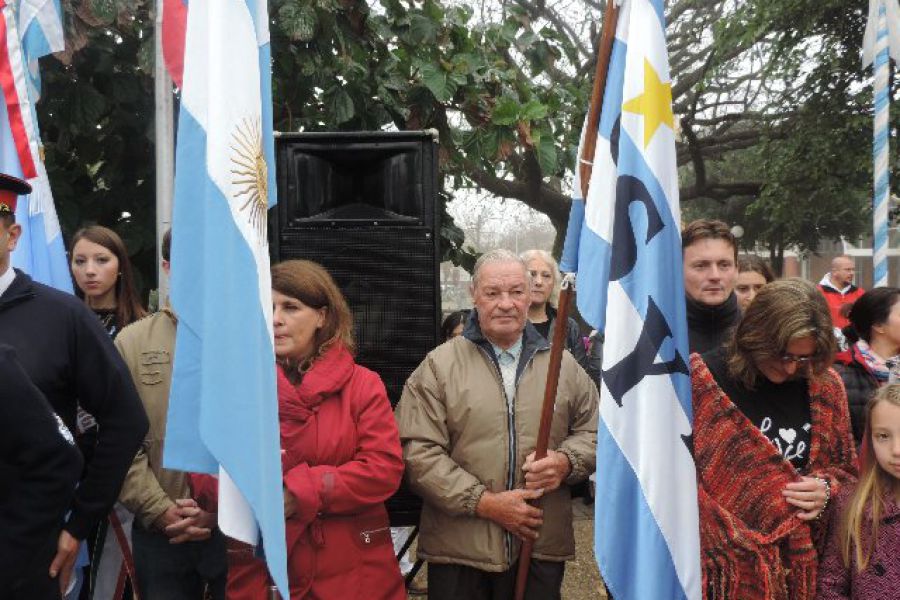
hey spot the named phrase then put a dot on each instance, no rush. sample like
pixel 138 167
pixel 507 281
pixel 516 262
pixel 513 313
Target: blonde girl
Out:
pixel 862 558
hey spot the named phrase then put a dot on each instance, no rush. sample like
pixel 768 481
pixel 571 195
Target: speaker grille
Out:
pixel 364 206
pixel 387 276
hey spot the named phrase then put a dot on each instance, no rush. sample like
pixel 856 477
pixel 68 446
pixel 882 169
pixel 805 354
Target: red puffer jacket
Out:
pixel 341 461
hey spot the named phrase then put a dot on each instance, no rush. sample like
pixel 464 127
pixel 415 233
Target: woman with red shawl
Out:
pixel 341 452
pixel 772 445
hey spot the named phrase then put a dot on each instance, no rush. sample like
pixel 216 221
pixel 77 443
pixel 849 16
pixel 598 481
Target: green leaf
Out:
pixel 436 80
pixel 433 11
pixel 126 89
pixel 422 30
pixel 147 56
pixel 86 105
pixel 533 110
pixel 506 111
pixel 340 105
pixel 509 30
pixel 490 143
pixel 547 157
pixel 103 11
pixel 527 39
pixel 298 21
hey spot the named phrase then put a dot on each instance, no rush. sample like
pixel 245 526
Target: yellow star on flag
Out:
pixel 655 104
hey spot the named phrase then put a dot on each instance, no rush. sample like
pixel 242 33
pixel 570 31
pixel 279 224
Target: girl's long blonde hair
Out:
pixel 865 507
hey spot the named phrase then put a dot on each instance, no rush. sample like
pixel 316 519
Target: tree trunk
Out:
pixel 776 254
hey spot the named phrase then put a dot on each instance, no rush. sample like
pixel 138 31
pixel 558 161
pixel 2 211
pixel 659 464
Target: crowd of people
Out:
pixel 796 435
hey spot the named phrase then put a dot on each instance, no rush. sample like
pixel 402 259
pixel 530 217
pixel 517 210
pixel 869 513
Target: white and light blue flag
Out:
pixel 223 411
pixel 624 242
pixel 40 251
pixel 40 22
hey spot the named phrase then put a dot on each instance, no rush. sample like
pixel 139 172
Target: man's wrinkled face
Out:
pixel 501 297
pixel 709 271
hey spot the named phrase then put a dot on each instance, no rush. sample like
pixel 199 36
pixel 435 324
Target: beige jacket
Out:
pixel 148 347
pixel 455 431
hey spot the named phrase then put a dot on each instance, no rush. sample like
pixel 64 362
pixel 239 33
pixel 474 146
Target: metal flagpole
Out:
pixel 165 148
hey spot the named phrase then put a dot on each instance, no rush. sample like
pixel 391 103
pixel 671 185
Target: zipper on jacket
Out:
pixel 511 426
pixel 511 446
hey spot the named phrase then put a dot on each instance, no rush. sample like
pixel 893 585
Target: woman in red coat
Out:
pixel 341 452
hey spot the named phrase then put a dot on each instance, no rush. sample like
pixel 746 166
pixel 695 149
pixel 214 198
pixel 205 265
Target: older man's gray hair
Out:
pixel 500 255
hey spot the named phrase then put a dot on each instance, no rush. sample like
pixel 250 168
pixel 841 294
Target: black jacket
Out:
pixel 860 385
pixel 710 326
pixel 39 467
pixel 575 345
pixel 70 358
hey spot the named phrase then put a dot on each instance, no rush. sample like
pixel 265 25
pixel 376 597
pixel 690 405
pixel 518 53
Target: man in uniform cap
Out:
pixel 69 357
pixel 10 190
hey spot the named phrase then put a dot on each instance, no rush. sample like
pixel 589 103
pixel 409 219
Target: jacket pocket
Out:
pixel 149 371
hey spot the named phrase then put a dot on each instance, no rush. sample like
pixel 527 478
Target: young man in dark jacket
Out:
pixel 709 251
pixel 69 357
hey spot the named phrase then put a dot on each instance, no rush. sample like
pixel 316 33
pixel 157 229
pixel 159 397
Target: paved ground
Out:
pixel 582 580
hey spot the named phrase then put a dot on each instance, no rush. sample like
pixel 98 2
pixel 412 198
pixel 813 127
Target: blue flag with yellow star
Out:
pixel 624 242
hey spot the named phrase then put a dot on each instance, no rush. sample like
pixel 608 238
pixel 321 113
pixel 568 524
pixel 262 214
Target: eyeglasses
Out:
pixel 800 361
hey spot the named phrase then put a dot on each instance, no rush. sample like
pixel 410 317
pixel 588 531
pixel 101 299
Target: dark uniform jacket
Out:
pixel 39 467
pixel 70 358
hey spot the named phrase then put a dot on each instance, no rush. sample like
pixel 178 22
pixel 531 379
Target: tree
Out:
pixel 508 90
pixel 506 85
pixel 96 119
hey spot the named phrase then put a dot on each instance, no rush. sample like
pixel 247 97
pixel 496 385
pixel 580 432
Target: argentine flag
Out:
pixel 32 32
pixel 624 242
pixel 223 410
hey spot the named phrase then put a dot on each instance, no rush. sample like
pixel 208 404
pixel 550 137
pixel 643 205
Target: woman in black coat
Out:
pixel 545 280
pixel 872 358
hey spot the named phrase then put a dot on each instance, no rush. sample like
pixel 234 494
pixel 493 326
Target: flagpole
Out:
pixel 880 150
pixel 557 345
pixel 165 149
pixel 604 53
pixel 607 37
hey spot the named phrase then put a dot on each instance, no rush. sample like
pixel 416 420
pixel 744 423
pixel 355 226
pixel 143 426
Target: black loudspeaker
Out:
pixel 364 206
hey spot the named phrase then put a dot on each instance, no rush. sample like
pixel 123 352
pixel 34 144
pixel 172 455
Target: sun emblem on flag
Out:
pixel 250 173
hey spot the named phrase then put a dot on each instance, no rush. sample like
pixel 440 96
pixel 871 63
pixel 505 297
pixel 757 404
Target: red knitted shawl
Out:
pixel 753 547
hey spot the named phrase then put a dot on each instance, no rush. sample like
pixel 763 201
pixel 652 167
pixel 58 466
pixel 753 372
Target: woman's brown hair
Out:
pixel 312 285
pixel 128 305
pixel 751 262
pixel 783 311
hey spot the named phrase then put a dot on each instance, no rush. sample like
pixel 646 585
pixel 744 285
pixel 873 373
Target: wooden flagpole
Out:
pixel 607 37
